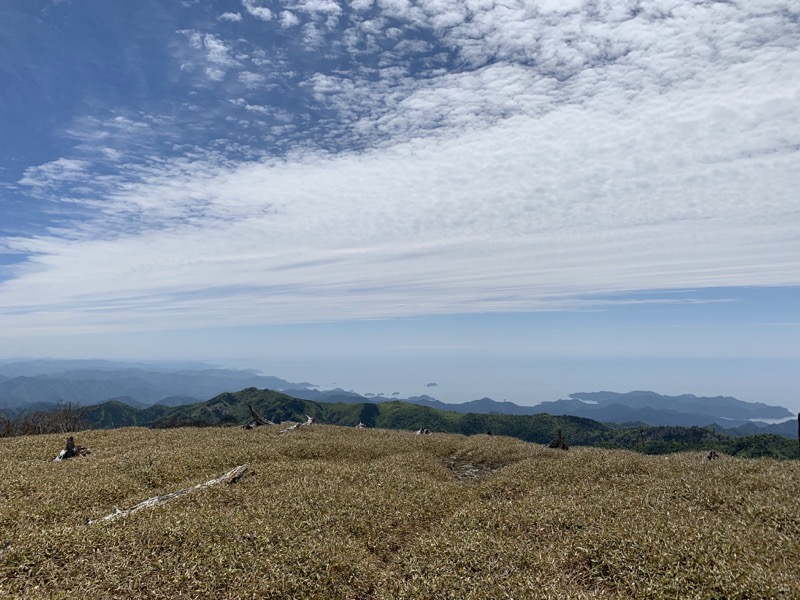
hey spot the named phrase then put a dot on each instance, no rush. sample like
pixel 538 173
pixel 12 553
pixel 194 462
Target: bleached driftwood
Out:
pixel 361 425
pixel 231 476
pixel 424 431
pixel 71 450
pixel 258 420
pixel 309 421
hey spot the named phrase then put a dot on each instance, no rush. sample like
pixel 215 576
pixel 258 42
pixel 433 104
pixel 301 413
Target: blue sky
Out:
pixel 517 199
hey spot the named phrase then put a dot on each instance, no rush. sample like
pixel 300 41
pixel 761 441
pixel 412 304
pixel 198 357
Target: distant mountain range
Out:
pixel 233 409
pixel 639 407
pixel 39 384
pixel 734 416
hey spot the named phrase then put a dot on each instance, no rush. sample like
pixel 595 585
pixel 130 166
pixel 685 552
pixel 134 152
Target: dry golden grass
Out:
pixel 345 513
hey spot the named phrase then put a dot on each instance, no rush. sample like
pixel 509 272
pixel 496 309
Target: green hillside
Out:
pixel 231 409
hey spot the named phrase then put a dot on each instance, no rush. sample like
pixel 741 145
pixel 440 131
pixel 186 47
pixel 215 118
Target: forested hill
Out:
pixel 233 409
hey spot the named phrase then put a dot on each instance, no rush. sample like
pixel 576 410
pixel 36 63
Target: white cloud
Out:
pixel 55 173
pixel 288 19
pixel 568 154
pixel 217 52
pixel 251 79
pixel 230 16
pixel 259 12
pixel 111 154
pixel 215 74
pixel 213 51
pixel 531 214
pixel 313 36
pixel 317 7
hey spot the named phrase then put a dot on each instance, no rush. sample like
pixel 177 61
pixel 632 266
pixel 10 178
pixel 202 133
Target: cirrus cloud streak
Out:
pixel 559 158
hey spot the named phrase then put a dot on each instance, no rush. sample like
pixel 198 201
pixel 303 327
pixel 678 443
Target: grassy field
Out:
pixel 332 512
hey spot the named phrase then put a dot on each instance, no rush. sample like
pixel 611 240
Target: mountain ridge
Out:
pixel 38 384
pixel 233 409
pixel 91 382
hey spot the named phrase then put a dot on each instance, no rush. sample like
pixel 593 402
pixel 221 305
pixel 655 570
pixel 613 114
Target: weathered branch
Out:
pixel 231 476
pixel 258 420
pixel 309 421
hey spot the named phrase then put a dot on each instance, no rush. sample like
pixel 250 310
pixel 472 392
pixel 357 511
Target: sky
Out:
pixel 505 198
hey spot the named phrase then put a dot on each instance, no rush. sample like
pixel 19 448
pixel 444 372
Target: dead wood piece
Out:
pixel 296 426
pixel 70 450
pixel 361 425
pixel 258 420
pixel 712 456
pixel 424 431
pixel 231 476
pixel 558 442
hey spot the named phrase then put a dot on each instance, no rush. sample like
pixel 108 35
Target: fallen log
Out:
pixel 71 450
pixel 231 476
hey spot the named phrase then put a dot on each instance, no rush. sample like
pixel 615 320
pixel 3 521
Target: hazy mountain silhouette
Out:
pixel 90 382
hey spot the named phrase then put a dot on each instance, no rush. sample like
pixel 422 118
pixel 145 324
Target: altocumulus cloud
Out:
pixel 444 157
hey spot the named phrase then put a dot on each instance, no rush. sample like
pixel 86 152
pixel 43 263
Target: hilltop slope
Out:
pixel 340 513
